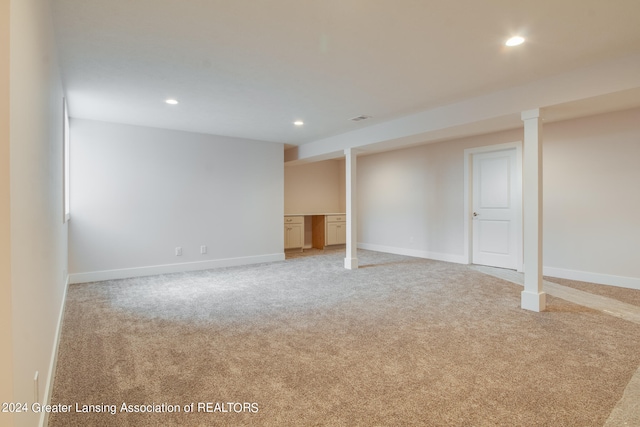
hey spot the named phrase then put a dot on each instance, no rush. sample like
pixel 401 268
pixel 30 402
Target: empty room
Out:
pixel 336 213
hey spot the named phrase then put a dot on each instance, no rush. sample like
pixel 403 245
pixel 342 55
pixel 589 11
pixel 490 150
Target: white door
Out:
pixel 496 204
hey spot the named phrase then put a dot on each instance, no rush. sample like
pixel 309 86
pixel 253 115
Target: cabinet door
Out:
pixel 336 233
pixel 341 234
pixel 297 236
pixel 293 236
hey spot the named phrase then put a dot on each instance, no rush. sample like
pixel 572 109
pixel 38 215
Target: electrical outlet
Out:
pixel 178 250
pixel 203 249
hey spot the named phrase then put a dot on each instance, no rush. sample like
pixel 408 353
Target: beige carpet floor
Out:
pixel 398 342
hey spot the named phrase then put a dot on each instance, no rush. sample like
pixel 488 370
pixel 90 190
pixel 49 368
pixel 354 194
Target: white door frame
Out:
pixel 468 205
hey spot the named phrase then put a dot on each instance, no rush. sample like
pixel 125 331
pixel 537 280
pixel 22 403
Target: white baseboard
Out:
pixel 44 415
pixel 458 259
pixel 124 273
pixel 562 273
pixel 585 276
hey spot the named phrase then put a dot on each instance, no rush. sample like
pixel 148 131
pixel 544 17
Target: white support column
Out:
pixel 532 298
pixel 351 259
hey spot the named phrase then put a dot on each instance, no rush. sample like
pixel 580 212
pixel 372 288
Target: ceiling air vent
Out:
pixel 359 118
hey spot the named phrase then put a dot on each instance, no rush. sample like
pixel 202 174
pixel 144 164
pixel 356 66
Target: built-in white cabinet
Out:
pixel 336 230
pixel 329 229
pixel 293 232
pixel 326 230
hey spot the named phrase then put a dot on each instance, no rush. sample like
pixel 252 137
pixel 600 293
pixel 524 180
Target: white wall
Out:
pixel 137 193
pixel 411 201
pixel 591 197
pixel 38 242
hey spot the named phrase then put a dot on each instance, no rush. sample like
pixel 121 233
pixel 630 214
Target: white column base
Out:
pixel 351 263
pixel 533 301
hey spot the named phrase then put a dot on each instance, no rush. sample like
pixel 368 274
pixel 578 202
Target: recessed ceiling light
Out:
pixel 298 123
pixel 171 101
pixel 514 41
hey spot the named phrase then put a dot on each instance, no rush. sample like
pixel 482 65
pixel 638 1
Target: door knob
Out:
pixel 475 214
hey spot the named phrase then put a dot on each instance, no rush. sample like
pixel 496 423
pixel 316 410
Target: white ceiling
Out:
pixel 249 68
